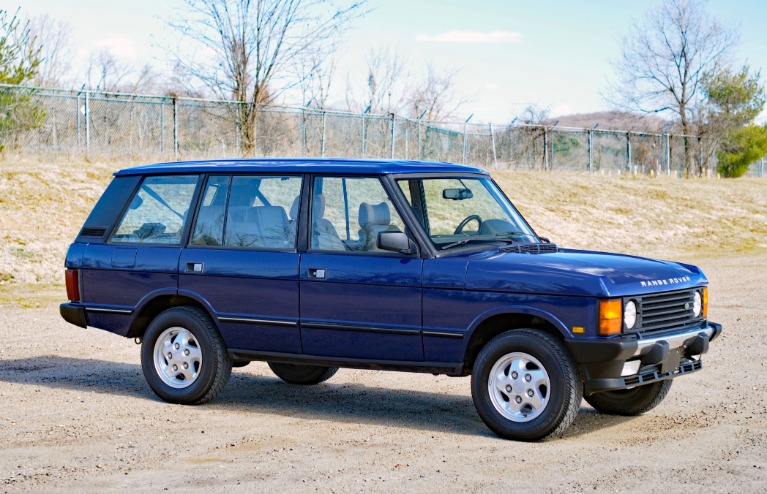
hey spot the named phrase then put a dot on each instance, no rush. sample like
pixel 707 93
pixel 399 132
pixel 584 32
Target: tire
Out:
pixel 525 385
pixel 629 402
pixel 185 337
pixel 301 373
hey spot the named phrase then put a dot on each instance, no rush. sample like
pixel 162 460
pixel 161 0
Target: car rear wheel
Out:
pixel 183 356
pixel 525 385
pixel 301 373
pixel 634 401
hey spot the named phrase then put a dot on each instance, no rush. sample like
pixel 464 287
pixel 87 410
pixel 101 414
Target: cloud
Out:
pixel 562 109
pixel 511 37
pixel 122 47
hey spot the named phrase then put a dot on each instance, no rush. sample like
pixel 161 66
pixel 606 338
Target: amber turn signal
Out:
pixel 610 317
pixel 704 313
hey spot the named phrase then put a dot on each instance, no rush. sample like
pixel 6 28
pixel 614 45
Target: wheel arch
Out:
pixel 152 306
pixel 492 323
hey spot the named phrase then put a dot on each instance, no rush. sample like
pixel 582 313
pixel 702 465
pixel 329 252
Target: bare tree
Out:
pixel 664 59
pixel 382 91
pixel 106 72
pixel 54 39
pixel 434 97
pixel 246 48
pixel 315 73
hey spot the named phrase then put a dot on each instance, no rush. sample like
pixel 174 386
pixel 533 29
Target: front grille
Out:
pixel 531 248
pixel 666 310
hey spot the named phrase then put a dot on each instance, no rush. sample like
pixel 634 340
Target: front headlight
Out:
pixel 630 314
pixel 697 304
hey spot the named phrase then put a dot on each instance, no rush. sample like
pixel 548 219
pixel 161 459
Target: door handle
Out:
pixel 318 273
pixel 194 267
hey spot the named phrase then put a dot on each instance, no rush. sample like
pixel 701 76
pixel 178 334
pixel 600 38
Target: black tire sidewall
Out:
pixel 210 363
pixel 559 372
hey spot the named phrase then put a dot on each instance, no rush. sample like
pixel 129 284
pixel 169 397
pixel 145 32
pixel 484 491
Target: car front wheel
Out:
pixel 525 385
pixel 184 358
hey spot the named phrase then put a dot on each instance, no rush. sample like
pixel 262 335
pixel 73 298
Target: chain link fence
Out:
pixel 156 128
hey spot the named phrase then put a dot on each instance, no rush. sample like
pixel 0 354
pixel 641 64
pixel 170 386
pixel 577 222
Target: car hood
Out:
pixel 574 272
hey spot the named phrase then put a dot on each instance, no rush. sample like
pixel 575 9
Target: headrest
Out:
pixel 376 214
pixel 318 207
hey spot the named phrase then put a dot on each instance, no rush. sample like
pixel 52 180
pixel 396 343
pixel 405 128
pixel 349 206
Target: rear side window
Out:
pixel 158 211
pixel 248 211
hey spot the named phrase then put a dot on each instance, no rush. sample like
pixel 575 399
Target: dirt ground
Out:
pixel 77 416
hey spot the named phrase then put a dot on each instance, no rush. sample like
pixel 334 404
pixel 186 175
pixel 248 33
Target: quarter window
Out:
pixel 158 211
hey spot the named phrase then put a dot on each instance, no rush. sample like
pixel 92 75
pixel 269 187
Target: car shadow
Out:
pixel 247 393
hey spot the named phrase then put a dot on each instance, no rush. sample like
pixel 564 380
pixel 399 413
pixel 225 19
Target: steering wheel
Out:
pixel 466 221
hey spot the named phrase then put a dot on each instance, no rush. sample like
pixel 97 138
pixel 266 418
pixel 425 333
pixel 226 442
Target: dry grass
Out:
pixel 43 204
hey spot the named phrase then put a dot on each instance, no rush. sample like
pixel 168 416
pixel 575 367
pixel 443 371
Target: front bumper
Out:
pixel 634 360
pixel 73 314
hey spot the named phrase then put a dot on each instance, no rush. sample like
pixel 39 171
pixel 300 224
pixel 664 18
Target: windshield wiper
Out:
pixel 484 238
pixel 501 234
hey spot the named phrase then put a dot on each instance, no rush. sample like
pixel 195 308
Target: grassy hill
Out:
pixel 43 204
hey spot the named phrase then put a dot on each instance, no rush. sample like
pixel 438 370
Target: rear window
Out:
pixel 158 210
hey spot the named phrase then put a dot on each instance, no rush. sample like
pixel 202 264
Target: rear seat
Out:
pixel 259 226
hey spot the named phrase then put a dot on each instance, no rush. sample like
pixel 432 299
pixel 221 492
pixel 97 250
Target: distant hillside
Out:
pixel 613 120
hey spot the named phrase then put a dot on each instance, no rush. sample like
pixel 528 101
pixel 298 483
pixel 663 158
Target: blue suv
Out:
pixel 311 265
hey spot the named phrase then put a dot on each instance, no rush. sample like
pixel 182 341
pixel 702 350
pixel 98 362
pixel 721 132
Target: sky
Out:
pixel 507 53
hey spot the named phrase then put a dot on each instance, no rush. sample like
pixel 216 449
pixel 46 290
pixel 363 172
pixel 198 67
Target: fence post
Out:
pixel 77 111
pixel 419 139
pixel 700 156
pixel 492 141
pixel 465 124
pixel 323 133
pixel 668 155
pixel 545 148
pixel 628 150
pixel 175 128
pixel 162 126
pixel 393 130
pixel 363 135
pixel 303 132
pixel 87 126
pixel 589 167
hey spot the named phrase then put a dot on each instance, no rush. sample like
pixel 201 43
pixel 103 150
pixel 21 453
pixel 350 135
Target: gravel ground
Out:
pixel 77 416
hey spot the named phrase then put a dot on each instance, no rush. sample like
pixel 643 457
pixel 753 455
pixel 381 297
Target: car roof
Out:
pixel 301 165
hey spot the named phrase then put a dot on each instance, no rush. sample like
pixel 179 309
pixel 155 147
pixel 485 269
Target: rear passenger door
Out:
pixel 358 301
pixel 241 260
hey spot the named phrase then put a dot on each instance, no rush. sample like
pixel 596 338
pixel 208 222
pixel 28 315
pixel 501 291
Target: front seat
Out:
pixel 324 234
pixel 373 219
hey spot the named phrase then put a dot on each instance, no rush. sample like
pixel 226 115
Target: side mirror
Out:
pixel 396 242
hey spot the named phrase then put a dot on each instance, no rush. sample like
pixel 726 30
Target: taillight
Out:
pixel 73 286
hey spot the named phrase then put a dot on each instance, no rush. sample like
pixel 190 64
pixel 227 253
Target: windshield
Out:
pixel 456 211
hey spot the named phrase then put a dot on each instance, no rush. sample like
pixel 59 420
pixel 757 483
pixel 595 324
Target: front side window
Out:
pixel 456 211
pixel 158 211
pixel 349 212
pixel 248 211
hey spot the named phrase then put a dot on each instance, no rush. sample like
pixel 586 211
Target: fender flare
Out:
pixel 517 309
